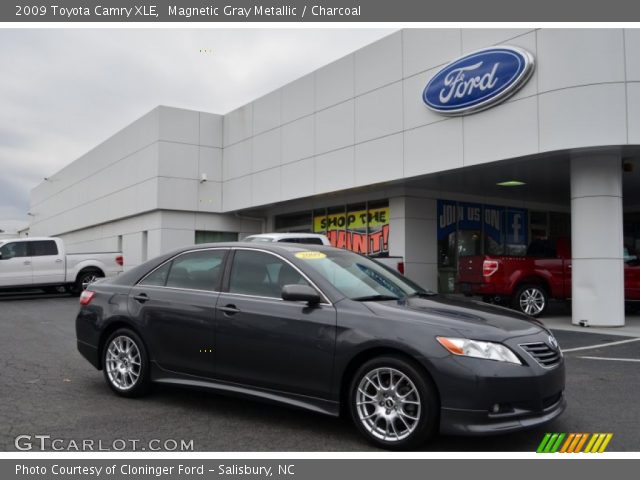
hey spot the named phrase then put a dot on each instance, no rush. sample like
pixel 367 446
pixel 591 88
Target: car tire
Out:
pixel 84 279
pixel 531 299
pixel 125 363
pixel 393 403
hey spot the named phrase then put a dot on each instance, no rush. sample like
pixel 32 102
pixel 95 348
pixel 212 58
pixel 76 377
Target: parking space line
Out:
pixel 613 359
pixel 609 344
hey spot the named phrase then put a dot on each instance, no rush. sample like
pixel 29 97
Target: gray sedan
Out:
pixel 323 329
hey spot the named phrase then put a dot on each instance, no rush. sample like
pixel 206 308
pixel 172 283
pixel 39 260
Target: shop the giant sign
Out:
pixel 362 231
pixel 503 225
pixel 478 80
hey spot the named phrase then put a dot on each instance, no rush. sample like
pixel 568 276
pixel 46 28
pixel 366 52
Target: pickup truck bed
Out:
pixel 527 283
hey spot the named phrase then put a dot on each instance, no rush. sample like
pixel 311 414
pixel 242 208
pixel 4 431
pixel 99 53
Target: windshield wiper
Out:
pixel 373 298
pixel 422 294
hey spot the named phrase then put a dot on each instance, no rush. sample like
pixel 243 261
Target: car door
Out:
pixel 175 305
pixel 47 262
pixel 15 265
pixel 264 341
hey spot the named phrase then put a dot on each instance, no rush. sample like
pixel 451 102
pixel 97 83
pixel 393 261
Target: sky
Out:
pixel 63 91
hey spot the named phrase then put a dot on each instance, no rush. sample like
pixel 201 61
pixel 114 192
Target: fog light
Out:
pixel 501 408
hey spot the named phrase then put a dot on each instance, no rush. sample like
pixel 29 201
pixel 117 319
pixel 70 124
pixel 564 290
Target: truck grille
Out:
pixel 542 353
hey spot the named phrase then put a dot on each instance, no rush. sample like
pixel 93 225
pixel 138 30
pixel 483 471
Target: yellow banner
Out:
pixel 357 220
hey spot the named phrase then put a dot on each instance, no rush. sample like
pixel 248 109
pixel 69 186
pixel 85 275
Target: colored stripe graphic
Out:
pixel 581 443
pixel 600 442
pixel 567 443
pixel 543 443
pixel 574 443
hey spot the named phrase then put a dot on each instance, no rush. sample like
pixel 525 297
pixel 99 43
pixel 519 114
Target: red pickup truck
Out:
pixel 527 283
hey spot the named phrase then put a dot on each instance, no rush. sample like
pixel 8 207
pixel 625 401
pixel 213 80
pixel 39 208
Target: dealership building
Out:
pixel 429 144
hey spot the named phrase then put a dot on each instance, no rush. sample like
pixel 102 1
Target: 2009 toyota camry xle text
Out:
pixel 327 330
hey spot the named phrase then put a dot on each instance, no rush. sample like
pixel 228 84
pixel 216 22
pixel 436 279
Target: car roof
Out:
pixel 269 246
pixel 287 249
pixel 286 235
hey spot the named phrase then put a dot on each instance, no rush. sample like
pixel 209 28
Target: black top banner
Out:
pixel 320 11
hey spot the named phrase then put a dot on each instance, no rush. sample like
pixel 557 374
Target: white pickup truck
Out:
pixel 43 263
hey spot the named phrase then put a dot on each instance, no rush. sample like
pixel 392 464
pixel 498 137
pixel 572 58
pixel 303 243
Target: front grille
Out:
pixel 542 353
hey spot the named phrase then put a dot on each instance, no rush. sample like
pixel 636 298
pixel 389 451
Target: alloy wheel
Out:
pixel 388 404
pixel 123 363
pixel 532 301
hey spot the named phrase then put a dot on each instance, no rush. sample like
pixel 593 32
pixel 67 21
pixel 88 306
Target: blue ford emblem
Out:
pixel 478 80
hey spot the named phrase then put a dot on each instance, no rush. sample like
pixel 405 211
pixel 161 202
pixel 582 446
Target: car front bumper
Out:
pixel 479 422
pixel 480 397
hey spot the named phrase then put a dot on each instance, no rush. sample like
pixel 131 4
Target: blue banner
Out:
pixel 503 225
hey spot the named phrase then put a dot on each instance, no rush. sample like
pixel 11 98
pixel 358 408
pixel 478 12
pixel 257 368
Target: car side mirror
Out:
pixel 300 293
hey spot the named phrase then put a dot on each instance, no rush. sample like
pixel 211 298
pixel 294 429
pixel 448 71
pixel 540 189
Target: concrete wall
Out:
pixel 357 122
pixel 361 120
pixel 145 236
pixel 154 163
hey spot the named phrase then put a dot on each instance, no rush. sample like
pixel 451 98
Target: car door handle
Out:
pixel 229 309
pixel 27 262
pixel 141 297
pixel 59 260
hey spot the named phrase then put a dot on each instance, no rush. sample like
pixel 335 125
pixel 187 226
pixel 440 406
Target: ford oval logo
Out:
pixel 478 80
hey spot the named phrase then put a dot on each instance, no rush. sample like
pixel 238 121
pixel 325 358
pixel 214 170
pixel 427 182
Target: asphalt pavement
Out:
pixel 47 388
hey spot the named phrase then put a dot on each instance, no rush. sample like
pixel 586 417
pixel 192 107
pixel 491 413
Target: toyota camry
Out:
pixel 323 329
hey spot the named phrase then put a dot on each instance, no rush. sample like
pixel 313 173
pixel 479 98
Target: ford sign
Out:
pixel 478 80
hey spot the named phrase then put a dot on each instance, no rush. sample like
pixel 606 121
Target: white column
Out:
pixel 597 240
pixel 413 236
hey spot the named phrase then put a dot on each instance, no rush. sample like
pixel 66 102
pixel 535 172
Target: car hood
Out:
pixel 470 319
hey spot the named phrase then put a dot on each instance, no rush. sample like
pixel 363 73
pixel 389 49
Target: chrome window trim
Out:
pixel 181 289
pixel 326 301
pixel 171 260
pixel 277 255
pixel 277 299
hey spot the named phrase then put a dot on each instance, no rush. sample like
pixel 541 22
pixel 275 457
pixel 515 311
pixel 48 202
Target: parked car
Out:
pixel 306 238
pixel 527 283
pixel 36 262
pixel 395 262
pixel 323 329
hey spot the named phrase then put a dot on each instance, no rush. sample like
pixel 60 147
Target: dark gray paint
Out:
pixel 303 356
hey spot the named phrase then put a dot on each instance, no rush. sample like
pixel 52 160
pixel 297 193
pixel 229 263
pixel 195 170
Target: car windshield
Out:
pixel 360 278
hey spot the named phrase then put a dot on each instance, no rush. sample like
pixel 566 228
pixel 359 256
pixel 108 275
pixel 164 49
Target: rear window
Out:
pixel 199 270
pixel 259 239
pixel 40 248
pixel 306 241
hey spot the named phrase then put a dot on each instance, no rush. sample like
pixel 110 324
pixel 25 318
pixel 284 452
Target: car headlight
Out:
pixel 478 349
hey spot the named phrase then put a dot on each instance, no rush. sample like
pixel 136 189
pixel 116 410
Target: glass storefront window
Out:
pixel 361 227
pixel 203 236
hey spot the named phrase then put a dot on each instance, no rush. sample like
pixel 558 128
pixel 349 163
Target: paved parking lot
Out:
pixel 47 388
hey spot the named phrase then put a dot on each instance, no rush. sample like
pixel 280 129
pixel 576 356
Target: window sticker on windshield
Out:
pixel 310 255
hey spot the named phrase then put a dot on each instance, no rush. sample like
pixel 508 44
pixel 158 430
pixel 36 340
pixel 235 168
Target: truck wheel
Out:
pixel 531 300
pixel 85 279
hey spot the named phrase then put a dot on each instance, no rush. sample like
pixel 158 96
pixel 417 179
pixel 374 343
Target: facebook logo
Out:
pixel 516 227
